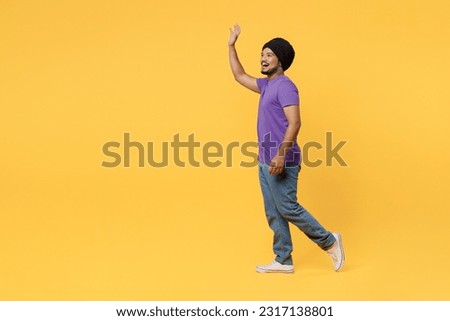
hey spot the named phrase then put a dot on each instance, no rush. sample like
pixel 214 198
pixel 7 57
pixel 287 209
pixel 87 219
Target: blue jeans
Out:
pixel 281 207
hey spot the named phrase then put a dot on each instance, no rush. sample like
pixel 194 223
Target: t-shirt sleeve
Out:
pixel 261 82
pixel 288 94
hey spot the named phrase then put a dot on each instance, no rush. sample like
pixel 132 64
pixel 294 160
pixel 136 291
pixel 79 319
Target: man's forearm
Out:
pixel 235 64
pixel 289 138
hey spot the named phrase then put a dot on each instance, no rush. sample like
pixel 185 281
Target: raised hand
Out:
pixel 234 34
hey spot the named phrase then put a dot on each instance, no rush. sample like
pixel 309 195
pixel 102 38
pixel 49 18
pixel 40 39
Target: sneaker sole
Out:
pixel 274 271
pixel 339 239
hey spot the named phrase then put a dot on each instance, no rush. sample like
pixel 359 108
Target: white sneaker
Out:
pixel 336 252
pixel 275 267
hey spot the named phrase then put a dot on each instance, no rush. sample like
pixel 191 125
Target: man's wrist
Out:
pixel 284 148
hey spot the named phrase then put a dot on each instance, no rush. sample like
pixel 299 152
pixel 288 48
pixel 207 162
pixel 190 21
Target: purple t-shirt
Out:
pixel 276 94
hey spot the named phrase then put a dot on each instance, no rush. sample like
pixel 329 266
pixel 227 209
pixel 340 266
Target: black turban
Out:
pixel 283 50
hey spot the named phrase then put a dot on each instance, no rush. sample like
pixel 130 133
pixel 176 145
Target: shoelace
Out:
pixel 274 263
pixel 270 264
pixel 333 255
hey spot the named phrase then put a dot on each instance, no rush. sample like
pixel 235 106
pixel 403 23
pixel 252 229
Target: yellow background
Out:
pixel 77 74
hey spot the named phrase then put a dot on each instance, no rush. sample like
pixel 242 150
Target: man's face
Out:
pixel 269 62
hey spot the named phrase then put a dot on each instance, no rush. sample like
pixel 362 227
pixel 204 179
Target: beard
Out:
pixel 269 71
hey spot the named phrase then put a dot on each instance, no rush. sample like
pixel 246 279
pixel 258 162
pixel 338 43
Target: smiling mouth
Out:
pixel 264 65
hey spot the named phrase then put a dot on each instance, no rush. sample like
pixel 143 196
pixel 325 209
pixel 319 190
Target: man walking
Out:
pixel 279 154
